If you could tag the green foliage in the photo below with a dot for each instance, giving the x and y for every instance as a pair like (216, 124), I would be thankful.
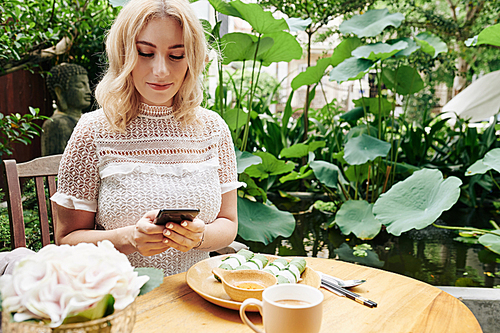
(356, 216)
(417, 201)
(31, 28)
(155, 278)
(371, 23)
(102, 309)
(19, 128)
(260, 222)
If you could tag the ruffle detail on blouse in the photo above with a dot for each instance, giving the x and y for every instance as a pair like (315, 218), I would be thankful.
(71, 202)
(180, 169)
(224, 188)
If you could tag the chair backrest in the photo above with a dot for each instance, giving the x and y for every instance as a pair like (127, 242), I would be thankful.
(38, 168)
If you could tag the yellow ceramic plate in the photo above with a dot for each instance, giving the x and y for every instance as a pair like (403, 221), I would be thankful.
(200, 278)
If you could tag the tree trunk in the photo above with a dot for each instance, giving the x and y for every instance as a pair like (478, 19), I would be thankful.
(460, 80)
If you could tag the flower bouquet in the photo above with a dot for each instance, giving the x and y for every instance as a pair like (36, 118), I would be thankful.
(63, 285)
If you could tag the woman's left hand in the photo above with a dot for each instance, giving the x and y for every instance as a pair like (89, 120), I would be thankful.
(184, 236)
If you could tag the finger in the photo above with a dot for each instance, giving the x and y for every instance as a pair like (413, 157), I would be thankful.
(182, 242)
(146, 227)
(148, 248)
(186, 227)
(178, 246)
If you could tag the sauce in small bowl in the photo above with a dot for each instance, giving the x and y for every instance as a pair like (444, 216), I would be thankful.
(245, 283)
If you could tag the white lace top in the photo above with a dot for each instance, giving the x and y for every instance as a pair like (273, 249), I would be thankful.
(155, 164)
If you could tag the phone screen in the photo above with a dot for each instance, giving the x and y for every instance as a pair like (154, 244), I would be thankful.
(176, 215)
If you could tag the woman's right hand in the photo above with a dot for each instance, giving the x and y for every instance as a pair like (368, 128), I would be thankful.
(147, 238)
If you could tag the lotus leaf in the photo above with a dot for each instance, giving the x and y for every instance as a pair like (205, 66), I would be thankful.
(407, 81)
(417, 201)
(326, 173)
(353, 114)
(372, 105)
(252, 189)
(297, 24)
(477, 168)
(270, 166)
(232, 116)
(344, 50)
(224, 8)
(312, 74)
(431, 44)
(379, 51)
(364, 148)
(362, 129)
(285, 48)
(371, 23)
(301, 149)
(350, 69)
(490, 35)
(491, 242)
(261, 21)
(345, 253)
(412, 46)
(155, 278)
(294, 175)
(245, 159)
(492, 159)
(262, 223)
(356, 216)
(471, 41)
(240, 47)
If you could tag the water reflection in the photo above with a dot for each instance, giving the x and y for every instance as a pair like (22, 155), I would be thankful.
(430, 255)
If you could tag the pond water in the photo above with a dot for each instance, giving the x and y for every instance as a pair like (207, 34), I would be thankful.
(430, 255)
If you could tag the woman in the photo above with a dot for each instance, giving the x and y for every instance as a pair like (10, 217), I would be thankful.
(151, 146)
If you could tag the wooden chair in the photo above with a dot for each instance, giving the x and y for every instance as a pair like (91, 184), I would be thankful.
(38, 168)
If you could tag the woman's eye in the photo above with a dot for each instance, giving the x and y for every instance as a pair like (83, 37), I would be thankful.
(147, 55)
(177, 57)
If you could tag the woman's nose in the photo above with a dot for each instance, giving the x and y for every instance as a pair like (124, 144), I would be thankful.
(160, 68)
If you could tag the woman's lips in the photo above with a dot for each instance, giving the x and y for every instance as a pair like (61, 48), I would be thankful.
(159, 86)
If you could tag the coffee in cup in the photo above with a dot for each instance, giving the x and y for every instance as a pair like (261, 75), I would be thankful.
(291, 308)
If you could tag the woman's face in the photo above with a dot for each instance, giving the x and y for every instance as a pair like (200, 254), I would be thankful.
(161, 65)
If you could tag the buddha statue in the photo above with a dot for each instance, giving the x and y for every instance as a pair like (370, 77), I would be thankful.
(69, 87)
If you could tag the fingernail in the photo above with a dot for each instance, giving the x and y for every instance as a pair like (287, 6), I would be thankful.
(167, 233)
(184, 224)
(165, 241)
(170, 226)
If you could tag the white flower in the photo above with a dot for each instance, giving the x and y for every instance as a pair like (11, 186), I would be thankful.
(59, 281)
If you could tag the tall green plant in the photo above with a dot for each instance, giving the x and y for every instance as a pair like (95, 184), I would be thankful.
(268, 43)
(316, 14)
(369, 156)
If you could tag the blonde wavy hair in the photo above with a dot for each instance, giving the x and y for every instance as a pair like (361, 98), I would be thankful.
(116, 92)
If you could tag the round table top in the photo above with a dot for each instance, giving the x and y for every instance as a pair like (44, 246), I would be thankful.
(404, 305)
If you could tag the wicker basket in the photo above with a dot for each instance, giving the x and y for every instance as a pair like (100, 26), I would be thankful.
(119, 322)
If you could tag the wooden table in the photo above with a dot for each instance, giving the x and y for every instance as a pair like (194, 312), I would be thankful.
(404, 305)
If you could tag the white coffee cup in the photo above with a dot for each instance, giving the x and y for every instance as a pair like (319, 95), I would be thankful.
(291, 308)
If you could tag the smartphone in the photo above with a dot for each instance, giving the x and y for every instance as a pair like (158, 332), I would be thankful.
(176, 215)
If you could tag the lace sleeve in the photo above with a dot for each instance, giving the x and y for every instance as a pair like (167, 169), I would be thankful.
(78, 178)
(228, 174)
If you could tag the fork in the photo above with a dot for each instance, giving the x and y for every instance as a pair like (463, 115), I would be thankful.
(340, 282)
